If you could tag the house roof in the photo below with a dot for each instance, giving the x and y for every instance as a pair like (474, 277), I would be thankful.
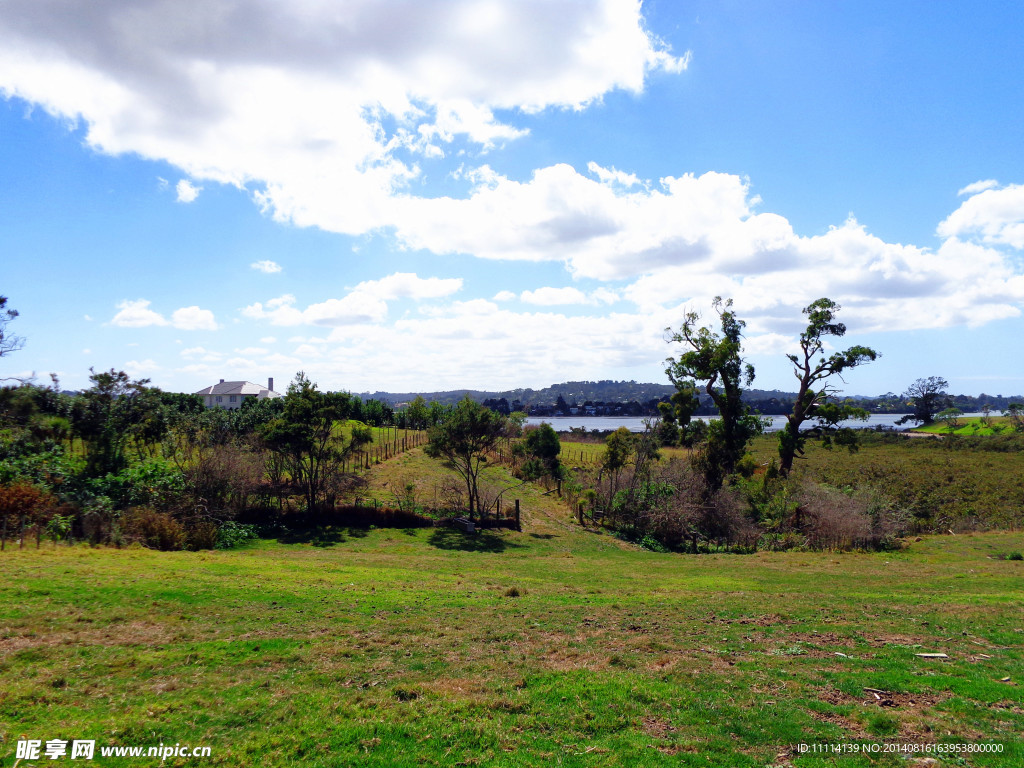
(238, 388)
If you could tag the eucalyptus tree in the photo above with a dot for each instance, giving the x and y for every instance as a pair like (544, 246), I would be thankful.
(714, 357)
(815, 397)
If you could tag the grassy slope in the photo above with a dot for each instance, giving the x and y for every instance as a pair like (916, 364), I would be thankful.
(397, 648)
(974, 425)
(940, 487)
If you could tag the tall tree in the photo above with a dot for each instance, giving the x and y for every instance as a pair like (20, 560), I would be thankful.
(8, 342)
(112, 410)
(1015, 413)
(928, 397)
(307, 437)
(462, 440)
(542, 448)
(813, 370)
(715, 358)
(417, 413)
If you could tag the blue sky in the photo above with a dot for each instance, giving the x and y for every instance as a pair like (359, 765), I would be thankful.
(493, 194)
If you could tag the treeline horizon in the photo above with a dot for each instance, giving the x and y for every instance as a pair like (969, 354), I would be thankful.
(638, 399)
(579, 394)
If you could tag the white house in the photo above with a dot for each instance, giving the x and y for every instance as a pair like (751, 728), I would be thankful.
(231, 394)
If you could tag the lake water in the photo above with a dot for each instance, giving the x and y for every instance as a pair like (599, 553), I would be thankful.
(636, 423)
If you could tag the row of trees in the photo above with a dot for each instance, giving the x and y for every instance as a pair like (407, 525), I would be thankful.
(712, 495)
(712, 359)
(123, 445)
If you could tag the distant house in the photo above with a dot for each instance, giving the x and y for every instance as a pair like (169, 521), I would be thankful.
(231, 394)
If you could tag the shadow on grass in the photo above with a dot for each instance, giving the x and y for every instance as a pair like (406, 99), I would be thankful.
(481, 541)
(544, 536)
(321, 536)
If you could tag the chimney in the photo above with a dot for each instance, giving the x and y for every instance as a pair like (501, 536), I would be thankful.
(222, 381)
(270, 383)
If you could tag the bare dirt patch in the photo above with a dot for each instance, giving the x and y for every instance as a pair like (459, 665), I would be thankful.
(880, 698)
(132, 633)
(880, 640)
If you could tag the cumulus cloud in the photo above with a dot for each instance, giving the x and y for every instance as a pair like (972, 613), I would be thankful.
(976, 187)
(137, 314)
(266, 266)
(193, 319)
(201, 353)
(408, 285)
(992, 215)
(366, 303)
(690, 238)
(187, 191)
(556, 296)
(324, 110)
(453, 341)
(355, 308)
(139, 368)
(612, 176)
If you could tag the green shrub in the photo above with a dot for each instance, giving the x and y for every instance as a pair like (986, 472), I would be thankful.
(202, 535)
(231, 534)
(156, 530)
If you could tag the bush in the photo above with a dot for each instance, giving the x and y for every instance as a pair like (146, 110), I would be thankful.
(202, 535)
(832, 519)
(156, 530)
(231, 534)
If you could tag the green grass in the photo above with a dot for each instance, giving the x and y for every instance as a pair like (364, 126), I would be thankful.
(971, 426)
(554, 646)
(944, 484)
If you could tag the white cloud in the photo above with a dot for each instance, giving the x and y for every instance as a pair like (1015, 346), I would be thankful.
(612, 176)
(324, 110)
(355, 308)
(554, 296)
(408, 285)
(279, 311)
(504, 296)
(993, 216)
(976, 187)
(268, 340)
(138, 368)
(193, 319)
(201, 353)
(137, 314)
(307, 351)
(453, 341)
(187, 191)
(266, 266)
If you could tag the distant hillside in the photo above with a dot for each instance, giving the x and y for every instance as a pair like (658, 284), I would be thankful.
(570, 391)
(580, 393)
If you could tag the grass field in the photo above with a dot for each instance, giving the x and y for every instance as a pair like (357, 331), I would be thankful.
(941, 484)
(970, 426)
(553, 646)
